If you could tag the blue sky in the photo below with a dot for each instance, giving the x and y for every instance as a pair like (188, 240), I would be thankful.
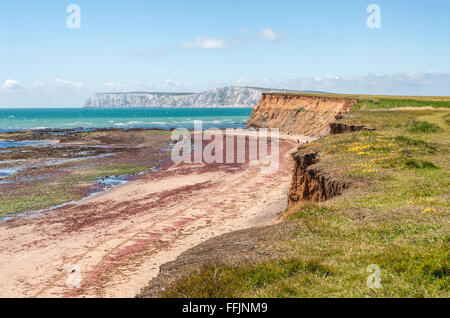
(197, 45)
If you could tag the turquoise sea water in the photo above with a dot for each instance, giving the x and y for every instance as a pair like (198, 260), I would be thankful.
(165, 118)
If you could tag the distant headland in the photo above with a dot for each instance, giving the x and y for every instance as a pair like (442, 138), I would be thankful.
(232, 96)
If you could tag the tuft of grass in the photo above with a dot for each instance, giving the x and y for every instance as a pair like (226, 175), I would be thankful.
(420, 164)
(406, 141)
(447, 119)
(424, 127)
(308, 209)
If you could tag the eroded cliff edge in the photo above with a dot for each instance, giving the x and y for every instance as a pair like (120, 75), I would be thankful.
(311, 181)
(297, 114)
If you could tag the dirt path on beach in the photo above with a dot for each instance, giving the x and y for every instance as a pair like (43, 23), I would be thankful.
(119, 239)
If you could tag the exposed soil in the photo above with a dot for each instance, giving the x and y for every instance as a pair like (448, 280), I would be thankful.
(311, 182)
(298, 114)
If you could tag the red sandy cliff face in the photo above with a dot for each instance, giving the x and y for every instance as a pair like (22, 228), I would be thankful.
(298, 114)
(313, 116)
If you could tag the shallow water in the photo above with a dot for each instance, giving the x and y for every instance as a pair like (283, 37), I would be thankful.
(25, 143)
(11, 161)
(6, 172)
(113, 180)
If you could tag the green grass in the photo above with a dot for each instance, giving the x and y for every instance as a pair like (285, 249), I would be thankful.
(390, 99)
(424, 127)
(32, 202)
(389, 103)
(309, 208)
(226, 281)
(420, 164)
(397, 216)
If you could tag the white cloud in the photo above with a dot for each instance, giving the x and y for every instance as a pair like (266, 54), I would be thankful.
(11, 84)
(428, 83)
(130, 86)
(413, 83)
(56, 85)
(270, 35)
(49, 93)
(66, 83)
(204, 42)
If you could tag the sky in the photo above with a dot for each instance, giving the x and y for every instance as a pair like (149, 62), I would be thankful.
(196, 45)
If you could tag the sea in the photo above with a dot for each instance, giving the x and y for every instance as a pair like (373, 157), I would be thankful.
(16, 119)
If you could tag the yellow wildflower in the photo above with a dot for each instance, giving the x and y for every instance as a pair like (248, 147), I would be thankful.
(429, 210)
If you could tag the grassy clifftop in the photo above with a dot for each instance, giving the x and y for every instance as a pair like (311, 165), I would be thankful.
(404, 100)
(396, 216)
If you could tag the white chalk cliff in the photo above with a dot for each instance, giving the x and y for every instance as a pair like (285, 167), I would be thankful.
(221, 97)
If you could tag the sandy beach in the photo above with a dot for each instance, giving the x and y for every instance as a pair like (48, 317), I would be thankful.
(120, 238)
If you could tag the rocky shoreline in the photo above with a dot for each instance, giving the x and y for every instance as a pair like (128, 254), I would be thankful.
(68, 165)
